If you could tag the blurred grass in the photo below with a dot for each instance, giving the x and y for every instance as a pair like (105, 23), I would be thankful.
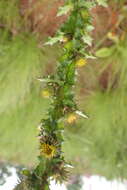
(20, 61)
(19, 130)
(9, 14)
(97, 145)
(21, 104)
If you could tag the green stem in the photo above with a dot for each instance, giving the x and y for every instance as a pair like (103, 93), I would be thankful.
(50, 135)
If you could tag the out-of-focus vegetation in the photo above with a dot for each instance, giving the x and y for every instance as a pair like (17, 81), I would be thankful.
(97, 145)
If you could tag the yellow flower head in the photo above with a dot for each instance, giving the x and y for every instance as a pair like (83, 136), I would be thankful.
(64, 39)
(112, 36)
(81, 62)
(47, 150)
(71, 118)
(45, 93)
(123, 35)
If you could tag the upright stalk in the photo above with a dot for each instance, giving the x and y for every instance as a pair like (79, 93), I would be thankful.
(75, 40)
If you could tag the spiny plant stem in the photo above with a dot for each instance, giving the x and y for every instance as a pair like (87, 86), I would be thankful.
(75, 39)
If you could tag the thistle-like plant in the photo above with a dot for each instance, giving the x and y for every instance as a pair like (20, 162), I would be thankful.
(74, 37)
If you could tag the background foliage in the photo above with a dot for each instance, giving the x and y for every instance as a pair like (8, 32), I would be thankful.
(97, 145)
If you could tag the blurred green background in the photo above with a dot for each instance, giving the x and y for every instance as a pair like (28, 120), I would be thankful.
(97, 145)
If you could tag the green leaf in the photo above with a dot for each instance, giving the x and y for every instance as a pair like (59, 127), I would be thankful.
(90, 56)
(51, 41)
(86, 4)
(46, 187)
(102, 3)
(104, 52)
(25, 172)
(70, 74)
(89, 28)
(87, 39)
(64, 10)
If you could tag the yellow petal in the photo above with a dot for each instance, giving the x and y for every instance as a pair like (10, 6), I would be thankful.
(45, 93)
(48, 150)
(71, 118)
(65, 39)
(81, 62)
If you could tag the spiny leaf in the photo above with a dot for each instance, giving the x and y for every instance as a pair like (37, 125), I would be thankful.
(64, 10)
(102, 2)
(104, 52)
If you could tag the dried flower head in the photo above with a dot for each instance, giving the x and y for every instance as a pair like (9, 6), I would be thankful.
(61, 173)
